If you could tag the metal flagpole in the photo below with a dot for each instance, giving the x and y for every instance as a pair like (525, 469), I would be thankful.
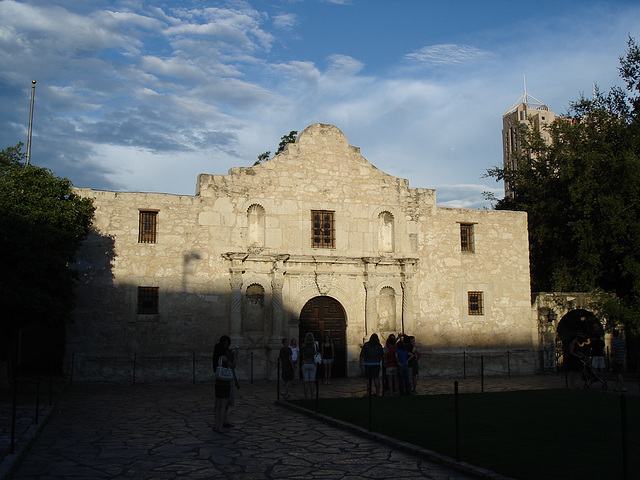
(33, 93)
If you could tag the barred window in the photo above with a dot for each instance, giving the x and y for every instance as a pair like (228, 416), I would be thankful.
(148, 300)
(322, 229)
(476, 303)
(466, 237)
(147, 226)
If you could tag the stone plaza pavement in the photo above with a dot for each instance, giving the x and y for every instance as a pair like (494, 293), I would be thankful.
(164, 431)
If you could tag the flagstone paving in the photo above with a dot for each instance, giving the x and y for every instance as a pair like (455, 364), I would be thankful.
(164, 431)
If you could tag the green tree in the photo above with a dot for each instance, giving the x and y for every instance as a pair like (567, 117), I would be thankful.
(581, 191)
(42, 223)
(284, 141)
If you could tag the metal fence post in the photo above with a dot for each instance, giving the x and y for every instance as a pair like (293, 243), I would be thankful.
(251, 367)
(194, 367)
(464, 364)
(623, 422)
(317, 391)
(37, 420)
(457, 419)
(14, 412)
(370, 394)
(277, 381)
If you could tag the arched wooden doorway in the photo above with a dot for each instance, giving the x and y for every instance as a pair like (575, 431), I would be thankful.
(325, 315)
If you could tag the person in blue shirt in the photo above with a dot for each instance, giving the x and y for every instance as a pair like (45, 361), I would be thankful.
(403, 356)
(371, 356)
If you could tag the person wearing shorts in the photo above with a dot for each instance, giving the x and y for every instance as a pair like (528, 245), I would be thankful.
(370, 357)
(308, 352)
(597, 361)
(391, 370)
(222, 388)
(617, 358)
(286, 364)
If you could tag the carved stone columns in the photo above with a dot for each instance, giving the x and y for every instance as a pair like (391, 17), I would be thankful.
(408, 320)
(370, 314)
(277, 284)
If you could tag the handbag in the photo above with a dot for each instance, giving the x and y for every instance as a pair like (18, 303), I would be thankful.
(317, 358)
(223, 373)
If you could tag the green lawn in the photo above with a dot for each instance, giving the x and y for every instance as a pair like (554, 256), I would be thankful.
(559, 434)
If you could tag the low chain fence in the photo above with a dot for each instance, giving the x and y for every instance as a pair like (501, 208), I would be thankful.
(261, 364)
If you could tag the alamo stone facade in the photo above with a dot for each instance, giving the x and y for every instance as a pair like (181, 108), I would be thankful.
(316, 239)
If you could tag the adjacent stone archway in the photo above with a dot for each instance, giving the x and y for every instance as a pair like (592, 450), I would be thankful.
(578, 322)
(325, 315)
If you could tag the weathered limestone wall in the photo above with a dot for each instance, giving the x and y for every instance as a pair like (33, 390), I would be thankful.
(397, 265)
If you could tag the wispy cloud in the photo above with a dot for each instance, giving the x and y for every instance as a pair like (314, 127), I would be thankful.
(344, 64)
(285, 20)
(447, 54)
(139, 97)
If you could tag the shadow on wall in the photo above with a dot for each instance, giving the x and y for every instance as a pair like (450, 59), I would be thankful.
(34, 335)
(163, 321)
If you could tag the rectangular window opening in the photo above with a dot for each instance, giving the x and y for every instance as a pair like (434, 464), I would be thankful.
(476, 303)
(322, 229)
(148, 300)
(147, 226)
(466, 237)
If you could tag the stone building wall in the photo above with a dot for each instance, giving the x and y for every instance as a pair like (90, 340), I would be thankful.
(238, 258)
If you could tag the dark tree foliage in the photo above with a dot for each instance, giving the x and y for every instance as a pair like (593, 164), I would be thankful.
(582, 195)
(42, 223)
(284, 141)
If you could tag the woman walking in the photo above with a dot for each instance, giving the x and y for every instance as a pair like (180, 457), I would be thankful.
(221, 357)
(391, 370)
(308, 352)
(295, 355)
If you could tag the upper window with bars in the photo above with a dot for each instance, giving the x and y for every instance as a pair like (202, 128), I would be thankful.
(323, 229)
(466, 237)
(147, 226)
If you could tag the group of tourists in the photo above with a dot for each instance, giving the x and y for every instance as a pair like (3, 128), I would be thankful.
(305, 360)
(397, 361)
(393, 368)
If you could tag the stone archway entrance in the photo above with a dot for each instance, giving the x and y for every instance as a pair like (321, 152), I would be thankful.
(574, 323)
(325, 315)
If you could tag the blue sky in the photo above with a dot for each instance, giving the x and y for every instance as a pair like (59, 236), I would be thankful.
(144, 96)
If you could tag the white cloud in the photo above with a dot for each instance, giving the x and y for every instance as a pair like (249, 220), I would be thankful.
(344, 64)
(447, 54)
(133, 88)
(285, 20)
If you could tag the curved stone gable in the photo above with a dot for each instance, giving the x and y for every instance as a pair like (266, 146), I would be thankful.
(322, 136)
(321, 161)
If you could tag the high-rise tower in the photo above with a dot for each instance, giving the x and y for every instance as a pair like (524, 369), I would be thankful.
(528, 111)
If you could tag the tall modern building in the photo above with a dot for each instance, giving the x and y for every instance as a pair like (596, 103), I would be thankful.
(527, 111)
